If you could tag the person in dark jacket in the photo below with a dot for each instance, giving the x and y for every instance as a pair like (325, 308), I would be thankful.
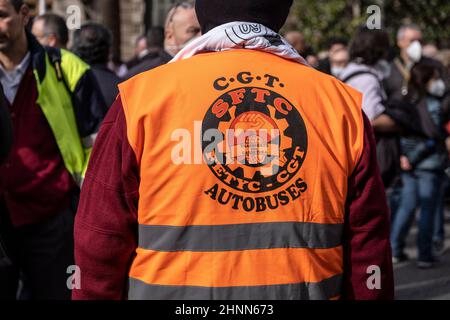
(163, 44)
(409, 38)
(423, 161)
(92, 43)
(140, 50)
(156, 55)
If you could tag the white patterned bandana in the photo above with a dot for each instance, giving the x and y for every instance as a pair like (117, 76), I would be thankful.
(241, 35)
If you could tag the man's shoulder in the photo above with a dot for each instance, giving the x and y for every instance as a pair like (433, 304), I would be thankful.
(71, 58)
(103, 73)
(150, 71)
(331, 83)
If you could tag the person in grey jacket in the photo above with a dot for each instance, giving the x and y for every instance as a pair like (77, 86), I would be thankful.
(366, 72)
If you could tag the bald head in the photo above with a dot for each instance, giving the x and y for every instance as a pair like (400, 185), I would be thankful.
(181, 27)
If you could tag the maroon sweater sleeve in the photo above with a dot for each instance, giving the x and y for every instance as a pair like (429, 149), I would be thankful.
(106, 221)
(367, 229)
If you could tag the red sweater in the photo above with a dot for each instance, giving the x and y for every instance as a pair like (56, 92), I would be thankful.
(106, 223)
(34, 182)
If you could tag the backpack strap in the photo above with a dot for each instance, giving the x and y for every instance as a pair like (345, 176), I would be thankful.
(359, 73)
(363, 72)
(55, 57)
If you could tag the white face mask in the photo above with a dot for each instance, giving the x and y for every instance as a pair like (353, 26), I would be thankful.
(437, 88)
(178, 47)
(414, 51)
(336, 71)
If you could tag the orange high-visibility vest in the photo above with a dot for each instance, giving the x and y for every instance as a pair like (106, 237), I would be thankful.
(244, 162)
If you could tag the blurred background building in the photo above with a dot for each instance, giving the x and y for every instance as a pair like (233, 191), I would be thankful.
(319, 20)
(127, 19)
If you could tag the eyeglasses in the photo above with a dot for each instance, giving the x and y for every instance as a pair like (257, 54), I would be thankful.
(173, 10)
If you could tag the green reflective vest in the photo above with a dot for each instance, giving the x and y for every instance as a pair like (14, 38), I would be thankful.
(55, 89)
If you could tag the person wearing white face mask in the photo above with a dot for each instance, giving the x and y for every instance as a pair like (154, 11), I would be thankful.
(339, 59)
(409, 39)
(437, 88)
(423, 161)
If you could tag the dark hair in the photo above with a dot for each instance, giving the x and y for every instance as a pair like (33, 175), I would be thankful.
(155, 37)
(55, 24)
(141, 37)
(92, 43)
(369, 46)
(333, 41)
(17, 4)
(421, 74)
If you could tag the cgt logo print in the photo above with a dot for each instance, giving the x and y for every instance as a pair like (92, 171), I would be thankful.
(261, 146)
(264, 140)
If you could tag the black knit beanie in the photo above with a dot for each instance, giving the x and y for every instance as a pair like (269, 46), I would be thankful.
(270, 13)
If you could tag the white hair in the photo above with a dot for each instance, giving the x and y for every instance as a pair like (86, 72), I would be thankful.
(403, 28)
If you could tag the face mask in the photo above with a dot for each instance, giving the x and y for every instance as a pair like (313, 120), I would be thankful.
(437, 88)
(414, 51)
(384, 67)
(178, 47)
(336, 71)
(143, 53)
(175, 48)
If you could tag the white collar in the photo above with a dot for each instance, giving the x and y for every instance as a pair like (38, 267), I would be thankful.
(20, 68)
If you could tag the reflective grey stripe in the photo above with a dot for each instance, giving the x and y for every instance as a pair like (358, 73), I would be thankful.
(325, 290)
(240, 237)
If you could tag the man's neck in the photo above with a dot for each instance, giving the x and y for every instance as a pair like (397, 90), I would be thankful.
(11, 58)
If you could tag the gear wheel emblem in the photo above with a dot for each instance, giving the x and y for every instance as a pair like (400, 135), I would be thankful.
(257, 140)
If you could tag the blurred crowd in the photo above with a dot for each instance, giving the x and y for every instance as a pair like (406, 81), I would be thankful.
(405, 88)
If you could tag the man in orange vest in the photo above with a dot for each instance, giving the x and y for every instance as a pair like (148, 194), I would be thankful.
(235, 172)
